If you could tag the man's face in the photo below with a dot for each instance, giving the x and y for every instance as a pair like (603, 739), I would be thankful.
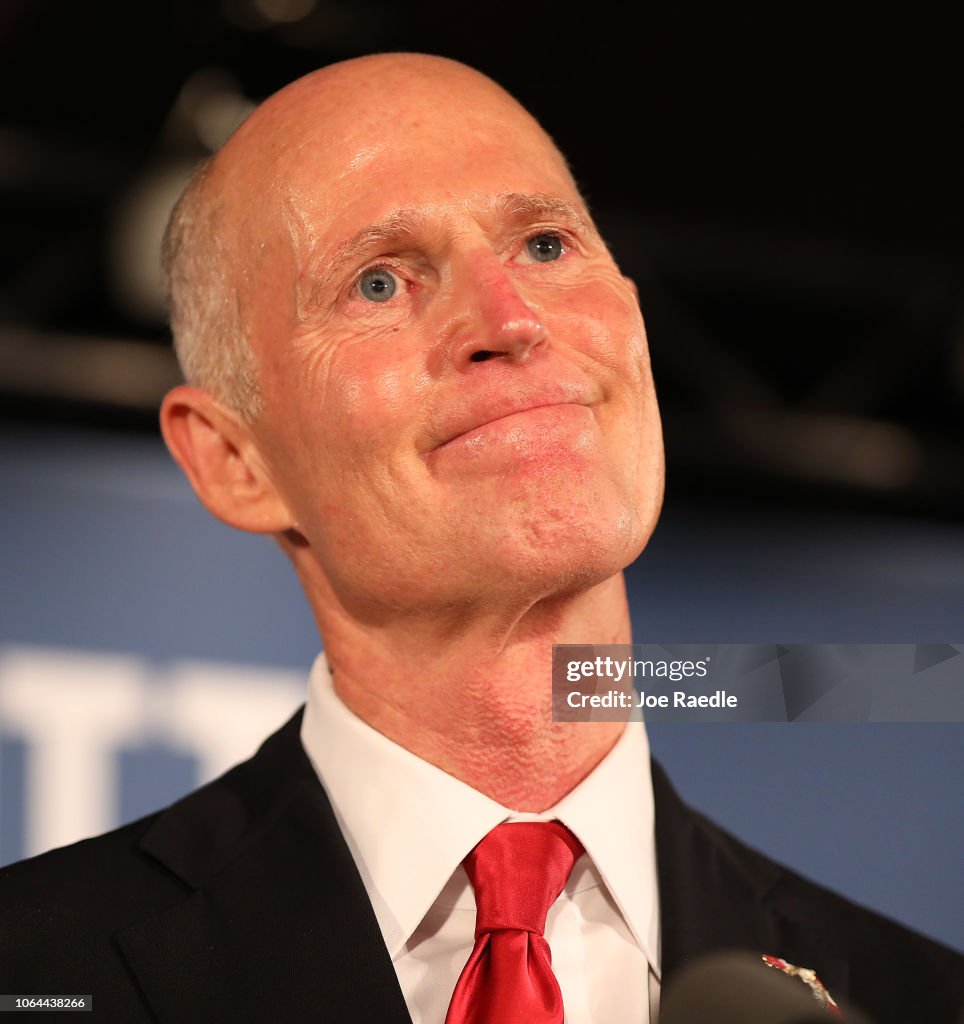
(457, 392)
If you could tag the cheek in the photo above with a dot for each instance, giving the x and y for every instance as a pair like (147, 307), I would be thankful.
(372, 397)
(346, 386)
(361, 400)
(359, 412)
(602, 320)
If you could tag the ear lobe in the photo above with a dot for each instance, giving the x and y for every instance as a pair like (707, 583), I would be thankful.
(215, 450)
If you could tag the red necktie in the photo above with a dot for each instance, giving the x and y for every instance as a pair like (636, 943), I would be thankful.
(517, 871)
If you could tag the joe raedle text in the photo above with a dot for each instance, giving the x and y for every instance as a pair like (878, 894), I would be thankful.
(678, 699)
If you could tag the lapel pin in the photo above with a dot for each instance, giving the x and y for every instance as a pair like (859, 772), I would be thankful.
(808, 977)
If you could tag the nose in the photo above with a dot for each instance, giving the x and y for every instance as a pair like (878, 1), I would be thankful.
(492, 320)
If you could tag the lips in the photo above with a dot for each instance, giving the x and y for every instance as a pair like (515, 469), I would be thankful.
(482, 411)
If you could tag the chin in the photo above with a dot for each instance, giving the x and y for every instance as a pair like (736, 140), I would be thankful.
(558, 554)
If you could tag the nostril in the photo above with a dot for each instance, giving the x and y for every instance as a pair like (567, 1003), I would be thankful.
(480, 357)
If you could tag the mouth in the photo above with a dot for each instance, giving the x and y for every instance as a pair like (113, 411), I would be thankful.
(502, 407)
(506, 419)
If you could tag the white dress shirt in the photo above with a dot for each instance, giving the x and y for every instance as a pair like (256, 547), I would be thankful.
(409, 825)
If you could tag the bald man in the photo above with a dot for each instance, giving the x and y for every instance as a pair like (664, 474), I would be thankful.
(412, 361)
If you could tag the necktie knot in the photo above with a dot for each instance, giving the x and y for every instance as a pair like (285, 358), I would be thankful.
(518, 871)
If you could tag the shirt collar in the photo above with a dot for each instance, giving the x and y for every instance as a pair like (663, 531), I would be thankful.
(611, 811)
(409, 825)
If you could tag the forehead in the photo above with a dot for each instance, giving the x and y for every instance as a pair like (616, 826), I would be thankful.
(497, 208)
(345, 174)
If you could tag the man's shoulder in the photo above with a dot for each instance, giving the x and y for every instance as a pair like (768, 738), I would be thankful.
(88, 888)
(718, 891)
(161, 851)
(97, 863)
(806, 900)
(65, 907)
(59, 911)
(889, 964)
(171, 917)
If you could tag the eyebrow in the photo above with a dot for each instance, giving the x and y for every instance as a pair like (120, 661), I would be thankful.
(409, 222)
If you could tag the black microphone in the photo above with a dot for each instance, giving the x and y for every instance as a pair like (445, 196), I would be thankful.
(738, 988)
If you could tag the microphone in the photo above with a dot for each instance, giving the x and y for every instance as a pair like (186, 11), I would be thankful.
(738, 988)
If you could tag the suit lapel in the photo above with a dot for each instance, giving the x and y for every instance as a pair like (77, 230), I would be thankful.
(277, 924)
(717, 894)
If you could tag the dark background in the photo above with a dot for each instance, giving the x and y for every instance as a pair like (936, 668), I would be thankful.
(783, 183)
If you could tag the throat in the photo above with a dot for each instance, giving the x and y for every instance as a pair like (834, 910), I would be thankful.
(499, 740)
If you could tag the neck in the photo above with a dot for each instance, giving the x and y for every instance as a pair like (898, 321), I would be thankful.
(475, 699)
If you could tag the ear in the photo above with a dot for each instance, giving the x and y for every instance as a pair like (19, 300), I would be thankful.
(214, 447)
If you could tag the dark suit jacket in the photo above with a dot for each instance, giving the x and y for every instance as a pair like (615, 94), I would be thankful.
(241, 902)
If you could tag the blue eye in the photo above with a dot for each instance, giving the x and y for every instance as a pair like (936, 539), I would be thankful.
(377, 285)
(545, 248)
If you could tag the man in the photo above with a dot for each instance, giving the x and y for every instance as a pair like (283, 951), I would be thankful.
(413, 362)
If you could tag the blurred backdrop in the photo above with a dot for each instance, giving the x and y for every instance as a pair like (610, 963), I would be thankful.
(785, 190)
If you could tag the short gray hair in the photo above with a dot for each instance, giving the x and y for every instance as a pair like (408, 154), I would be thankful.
(210, 339)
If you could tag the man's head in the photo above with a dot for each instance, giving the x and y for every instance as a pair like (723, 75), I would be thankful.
(445, 394)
